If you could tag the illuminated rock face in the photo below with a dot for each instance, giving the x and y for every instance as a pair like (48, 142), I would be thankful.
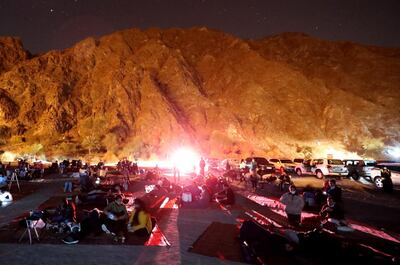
(147, 92)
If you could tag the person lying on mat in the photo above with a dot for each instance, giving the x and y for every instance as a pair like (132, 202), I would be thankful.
(140, 220)
(117, 215)
(226, 196)
(91, 224)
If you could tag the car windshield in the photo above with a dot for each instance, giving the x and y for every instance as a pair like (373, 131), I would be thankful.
(335, 162)
(286, 161)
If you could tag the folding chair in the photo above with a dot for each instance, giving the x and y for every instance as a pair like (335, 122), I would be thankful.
(31, 223)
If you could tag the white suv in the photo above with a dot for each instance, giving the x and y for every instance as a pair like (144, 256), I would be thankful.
(322, 167)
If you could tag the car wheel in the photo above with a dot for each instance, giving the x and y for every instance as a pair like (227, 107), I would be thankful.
(319, 174)
(378, 182)
(298, 172)
(355, 176)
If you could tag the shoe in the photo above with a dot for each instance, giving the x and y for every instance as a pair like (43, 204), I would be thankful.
(69, 240)
(105, 229)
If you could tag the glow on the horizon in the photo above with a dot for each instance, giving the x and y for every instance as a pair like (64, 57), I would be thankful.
(186, 160)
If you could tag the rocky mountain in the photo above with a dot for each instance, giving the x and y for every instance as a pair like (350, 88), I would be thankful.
(149, 92)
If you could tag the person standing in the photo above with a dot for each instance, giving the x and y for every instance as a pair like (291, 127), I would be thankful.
(2, 170)
(334, 191)
(242, 168)
(254, 179)
(177, 173)
(202, 166)
(253, 166)
(294, 204)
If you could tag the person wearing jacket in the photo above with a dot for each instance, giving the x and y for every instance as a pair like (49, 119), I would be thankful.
(294, 204)
(140, 220)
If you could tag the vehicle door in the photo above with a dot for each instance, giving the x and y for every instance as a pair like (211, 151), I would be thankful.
(307, 165)
(315, 164)
(395, 173)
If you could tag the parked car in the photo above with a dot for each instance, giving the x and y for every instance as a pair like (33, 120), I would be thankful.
(263, 165)
(298, 160)
(322, 167)
(286, 164)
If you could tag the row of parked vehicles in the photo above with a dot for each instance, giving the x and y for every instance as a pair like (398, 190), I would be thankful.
(369, 170)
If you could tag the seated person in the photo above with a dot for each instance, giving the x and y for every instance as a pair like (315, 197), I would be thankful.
(164, 182)
(90, 224)
(117, 216)
(226, 196)
(212, 183)
(140, 220)
(66, 212)
(203, 201)
(194, 190)
(332, 211)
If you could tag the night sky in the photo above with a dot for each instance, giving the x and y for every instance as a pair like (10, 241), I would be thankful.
(45, 25)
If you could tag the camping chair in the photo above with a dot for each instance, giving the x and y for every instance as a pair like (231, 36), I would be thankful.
(31, 222)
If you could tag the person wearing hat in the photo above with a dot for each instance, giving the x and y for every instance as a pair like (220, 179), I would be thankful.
(294, 204)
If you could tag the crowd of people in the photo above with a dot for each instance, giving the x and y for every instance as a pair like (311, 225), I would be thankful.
(198, 193)
(113, 220)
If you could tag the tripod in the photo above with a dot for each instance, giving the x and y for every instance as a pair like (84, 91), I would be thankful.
(14, 178)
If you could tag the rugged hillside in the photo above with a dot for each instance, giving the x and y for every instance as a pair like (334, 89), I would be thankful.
(148, 92)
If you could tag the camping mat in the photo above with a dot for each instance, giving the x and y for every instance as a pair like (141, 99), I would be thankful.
(219, 240)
